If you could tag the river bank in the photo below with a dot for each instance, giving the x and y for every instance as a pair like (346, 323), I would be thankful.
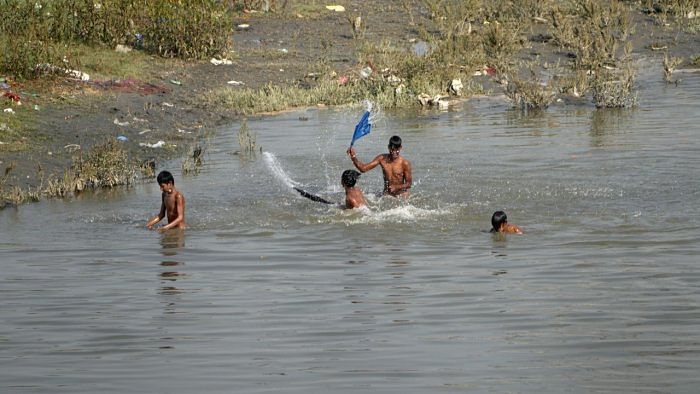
(164, 108)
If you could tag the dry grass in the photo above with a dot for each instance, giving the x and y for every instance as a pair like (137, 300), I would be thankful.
(246, 140)
(614, 89)
(532, 94)
(194, 160)
(105, 165)
(670, 64)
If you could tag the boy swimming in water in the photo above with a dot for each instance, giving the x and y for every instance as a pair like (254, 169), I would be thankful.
(499, 222)
(172, 204)
(353, 196)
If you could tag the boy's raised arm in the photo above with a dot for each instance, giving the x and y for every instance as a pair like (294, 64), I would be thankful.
(360, 165)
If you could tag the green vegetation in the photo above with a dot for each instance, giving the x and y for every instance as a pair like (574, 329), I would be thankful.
(14, 129)
(34, 35)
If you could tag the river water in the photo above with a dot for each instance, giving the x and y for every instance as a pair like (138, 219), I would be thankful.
(270, 292)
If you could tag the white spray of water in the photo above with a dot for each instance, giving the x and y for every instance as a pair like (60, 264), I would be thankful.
(375, 112)
(276, 168)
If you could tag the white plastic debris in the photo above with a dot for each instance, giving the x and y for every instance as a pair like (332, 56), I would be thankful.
(158, 144)
(456, 87)
(78, 75)
(122, 124)
(122, 48)
(393, 79)
(366, 72)
(336, 8)
(218, 62)
(9, 111)
(236, 83)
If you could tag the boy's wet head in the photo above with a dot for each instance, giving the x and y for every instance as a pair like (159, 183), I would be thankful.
(395, 142)
(165, 177)
(349, 178)
(499, 218)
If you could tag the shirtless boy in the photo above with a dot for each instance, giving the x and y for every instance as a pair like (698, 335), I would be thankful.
(173, 204)
(499, 222)
(353, 196)
(396, 169)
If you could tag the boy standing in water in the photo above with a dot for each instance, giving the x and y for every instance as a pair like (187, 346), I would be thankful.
(172, 204)
(396, 169)
(499, 222)
(353, 196)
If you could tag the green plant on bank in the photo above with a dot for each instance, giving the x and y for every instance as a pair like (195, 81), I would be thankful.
(14, 130)
(596, 32)
(35, 32)
(593, 30)
(500, 44)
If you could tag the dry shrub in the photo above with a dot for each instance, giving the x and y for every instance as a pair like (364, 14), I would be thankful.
(531, 94)
(105, 165)
(670, 64)
(246, 141)
(614, 89)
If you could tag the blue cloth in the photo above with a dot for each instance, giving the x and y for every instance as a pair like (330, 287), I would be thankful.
(362, 128)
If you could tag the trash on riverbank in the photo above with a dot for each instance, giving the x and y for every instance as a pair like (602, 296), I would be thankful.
(456, 87)
(9, 111)
(123, 48)
(336, 8)
(13, 96)
(122, 124)
(175, 82)
(433, 101)
(158, 144)
(122, 138)
(366, 72)
(218, 62)
(75, 74)
(236, 83)
(78, 75)
(242, 26)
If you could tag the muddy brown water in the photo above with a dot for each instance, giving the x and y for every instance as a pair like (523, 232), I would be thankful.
(269, 292)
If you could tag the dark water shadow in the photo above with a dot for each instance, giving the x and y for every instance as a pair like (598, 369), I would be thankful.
(607, 123)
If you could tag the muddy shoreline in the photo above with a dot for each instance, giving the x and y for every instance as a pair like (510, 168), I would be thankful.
(272, 49)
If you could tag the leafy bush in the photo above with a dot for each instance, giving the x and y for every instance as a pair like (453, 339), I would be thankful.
(31, 31)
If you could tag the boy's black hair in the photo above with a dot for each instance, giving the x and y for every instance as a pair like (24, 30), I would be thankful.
(498, 218)
(395, 142)
(165, 177)
(349, 178)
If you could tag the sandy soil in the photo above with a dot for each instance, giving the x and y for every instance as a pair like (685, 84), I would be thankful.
(273, 49)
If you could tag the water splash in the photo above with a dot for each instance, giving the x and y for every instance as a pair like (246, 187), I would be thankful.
(276, 168)
(375, 111)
